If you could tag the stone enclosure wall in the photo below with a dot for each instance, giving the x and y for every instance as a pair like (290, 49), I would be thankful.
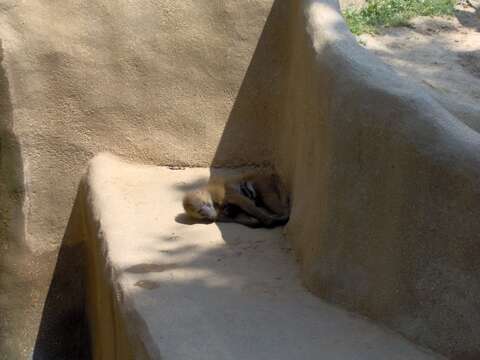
(383, 179)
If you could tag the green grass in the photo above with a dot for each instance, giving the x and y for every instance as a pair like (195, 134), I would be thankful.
(378, 13)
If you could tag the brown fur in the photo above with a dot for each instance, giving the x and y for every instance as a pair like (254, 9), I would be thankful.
(222, 200)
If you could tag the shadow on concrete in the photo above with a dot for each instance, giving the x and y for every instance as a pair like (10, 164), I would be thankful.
(11, 165)
(247, 134)
(15, 282)
(24, 276)
(470, 19)
(63, 332)
(240, 286)
(470, 60)
(449, 75)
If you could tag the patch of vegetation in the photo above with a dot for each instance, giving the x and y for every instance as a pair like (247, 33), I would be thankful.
(377, 13)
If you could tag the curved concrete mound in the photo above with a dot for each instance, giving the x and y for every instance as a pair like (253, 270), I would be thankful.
(384, 180)
(160, 287)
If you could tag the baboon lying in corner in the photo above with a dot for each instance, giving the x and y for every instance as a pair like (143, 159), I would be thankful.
(254, 199)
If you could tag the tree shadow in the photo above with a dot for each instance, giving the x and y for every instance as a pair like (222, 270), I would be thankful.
(62, 332)
(235, 288)
(11, 165)
(435, 63)
(470, 19)
(470, 60)
(15, 324)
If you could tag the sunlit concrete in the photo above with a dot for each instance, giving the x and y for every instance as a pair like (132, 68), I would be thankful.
(179, 290)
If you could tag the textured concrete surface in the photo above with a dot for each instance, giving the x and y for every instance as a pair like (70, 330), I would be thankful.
(386, 189)
(384, 179)
(196, 291)
(151, 80)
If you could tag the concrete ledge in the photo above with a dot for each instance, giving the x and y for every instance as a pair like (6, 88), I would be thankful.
(159, 287)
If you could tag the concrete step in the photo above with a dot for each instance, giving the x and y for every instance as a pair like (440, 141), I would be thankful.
(161, 287)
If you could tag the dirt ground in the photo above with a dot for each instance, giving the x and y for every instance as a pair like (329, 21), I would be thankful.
(443, 53)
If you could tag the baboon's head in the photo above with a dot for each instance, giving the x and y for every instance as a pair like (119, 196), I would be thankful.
(198, 204)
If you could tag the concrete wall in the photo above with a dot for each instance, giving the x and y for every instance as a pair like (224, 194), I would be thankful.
(384, 180)
(386, 189)
(150, 81)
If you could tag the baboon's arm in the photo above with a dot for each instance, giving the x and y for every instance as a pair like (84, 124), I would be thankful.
(249, 207)
(241, 218)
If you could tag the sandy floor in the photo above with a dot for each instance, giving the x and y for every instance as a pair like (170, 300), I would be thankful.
(442, 53)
